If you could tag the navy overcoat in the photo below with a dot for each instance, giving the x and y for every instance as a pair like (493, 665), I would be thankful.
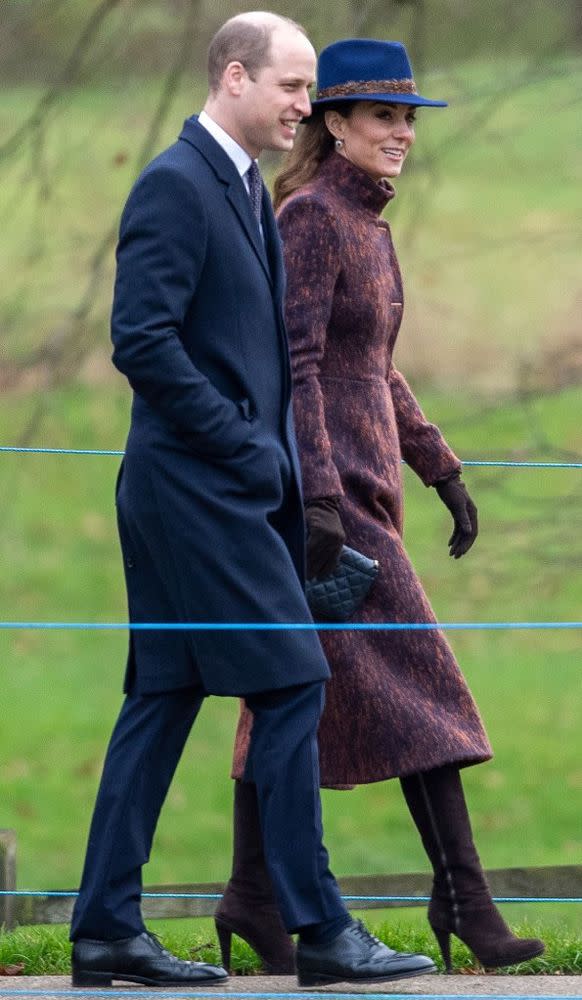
(209, 497)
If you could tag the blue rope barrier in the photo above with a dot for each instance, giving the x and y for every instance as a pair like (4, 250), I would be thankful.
(297, 995)
(60, 451)
(527, 465)
(471, 462)
(58, 893)
(288, 626)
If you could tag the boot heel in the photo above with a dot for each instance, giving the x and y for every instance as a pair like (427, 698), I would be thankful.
(444, 943)
(224, 934)
(82, 977)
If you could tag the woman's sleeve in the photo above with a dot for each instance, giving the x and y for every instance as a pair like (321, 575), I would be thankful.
(423, 447)
(312, 262)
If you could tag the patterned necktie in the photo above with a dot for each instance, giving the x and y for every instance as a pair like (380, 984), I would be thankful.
(255, 189)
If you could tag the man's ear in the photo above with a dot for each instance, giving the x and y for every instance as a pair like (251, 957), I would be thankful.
(234, 78)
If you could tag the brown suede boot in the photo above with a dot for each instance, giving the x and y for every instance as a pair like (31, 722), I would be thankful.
(461, 900)
(248, 907)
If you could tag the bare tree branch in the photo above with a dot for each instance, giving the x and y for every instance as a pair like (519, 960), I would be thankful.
(14, 28)
(362, 13)
(529, 76)
(66, 348)
(68, 75)
(418, 39)
(506, 92)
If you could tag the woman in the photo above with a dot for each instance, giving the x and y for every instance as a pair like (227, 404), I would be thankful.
(397, 704)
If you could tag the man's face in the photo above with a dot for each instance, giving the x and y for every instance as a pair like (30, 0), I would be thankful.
(271, 106)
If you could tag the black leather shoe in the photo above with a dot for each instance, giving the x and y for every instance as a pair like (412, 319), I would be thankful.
(140, 959)
(355, 955)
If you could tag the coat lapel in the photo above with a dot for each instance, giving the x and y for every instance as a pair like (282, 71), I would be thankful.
(274, 248)
(228, 175)
(241, 204)
(275, 255)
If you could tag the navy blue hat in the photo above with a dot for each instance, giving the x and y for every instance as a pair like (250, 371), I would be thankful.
(364, 69)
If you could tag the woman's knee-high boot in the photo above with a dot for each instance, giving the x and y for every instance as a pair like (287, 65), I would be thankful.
(248, 907)
(461, 901)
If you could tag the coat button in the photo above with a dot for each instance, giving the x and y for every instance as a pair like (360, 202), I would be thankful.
(129, 562)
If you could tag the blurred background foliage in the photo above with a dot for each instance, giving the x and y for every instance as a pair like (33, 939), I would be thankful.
(488, 226)
(140, 37)
(488, 218)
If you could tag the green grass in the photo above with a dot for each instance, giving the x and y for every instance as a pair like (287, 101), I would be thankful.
(61, 690)
(488, 228)
(46, 950)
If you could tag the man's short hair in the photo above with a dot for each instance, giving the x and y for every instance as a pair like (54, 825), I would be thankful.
(245, 42)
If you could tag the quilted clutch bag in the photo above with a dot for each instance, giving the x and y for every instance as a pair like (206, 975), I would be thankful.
(337, 596)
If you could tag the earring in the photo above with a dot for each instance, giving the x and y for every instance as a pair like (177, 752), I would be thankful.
(338, 144)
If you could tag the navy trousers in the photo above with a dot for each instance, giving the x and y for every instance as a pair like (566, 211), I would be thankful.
(143, 754)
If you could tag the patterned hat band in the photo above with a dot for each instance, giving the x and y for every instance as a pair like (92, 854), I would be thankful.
(355, 88)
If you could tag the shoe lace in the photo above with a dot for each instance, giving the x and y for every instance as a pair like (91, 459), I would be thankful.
(366, 935)
(164, 951)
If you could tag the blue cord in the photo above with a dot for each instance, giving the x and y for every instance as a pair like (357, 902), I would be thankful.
(289, 626)
(297, 995)
(99, 451)
(352, 899)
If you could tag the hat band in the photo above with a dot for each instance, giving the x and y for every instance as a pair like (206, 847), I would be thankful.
(355, 87)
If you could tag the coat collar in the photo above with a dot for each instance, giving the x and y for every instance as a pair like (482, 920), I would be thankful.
(354, 184)
(239, 156)
(226, 172)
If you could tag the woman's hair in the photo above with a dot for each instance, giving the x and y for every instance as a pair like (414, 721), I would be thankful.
(312, 146)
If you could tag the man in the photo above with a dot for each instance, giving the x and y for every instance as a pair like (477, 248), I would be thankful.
(210, 521)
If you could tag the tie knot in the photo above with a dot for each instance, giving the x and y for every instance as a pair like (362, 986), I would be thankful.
(255, 189)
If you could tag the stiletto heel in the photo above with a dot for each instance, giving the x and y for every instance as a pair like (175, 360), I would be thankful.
(444, 943)
(461, 902)
(261, 928)
(248, 907)
(483, 930)
(224, 934)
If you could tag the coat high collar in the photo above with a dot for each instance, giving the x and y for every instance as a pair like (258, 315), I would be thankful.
(354, 184)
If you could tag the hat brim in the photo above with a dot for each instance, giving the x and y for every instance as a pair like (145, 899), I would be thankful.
(413, 99)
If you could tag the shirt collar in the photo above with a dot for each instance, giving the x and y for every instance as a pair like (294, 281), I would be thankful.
(237, 154)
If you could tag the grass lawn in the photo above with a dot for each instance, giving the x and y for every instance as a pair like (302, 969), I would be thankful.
(62, 689)
(46, 950)
(488, 223)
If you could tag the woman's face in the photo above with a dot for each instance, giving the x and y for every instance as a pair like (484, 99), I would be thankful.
(376, 136)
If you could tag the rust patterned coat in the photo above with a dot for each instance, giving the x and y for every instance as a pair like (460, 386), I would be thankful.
(397, 702)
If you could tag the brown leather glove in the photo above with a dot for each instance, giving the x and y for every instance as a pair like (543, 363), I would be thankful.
(325, 535)
(454, 495)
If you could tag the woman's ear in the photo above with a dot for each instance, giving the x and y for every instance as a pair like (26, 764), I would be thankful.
(334, 122)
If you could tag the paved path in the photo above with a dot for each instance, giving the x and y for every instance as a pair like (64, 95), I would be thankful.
(439, 987)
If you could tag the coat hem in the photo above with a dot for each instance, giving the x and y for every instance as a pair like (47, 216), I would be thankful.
(350, 783)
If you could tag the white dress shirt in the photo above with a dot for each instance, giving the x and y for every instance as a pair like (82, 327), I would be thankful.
(237, 154)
